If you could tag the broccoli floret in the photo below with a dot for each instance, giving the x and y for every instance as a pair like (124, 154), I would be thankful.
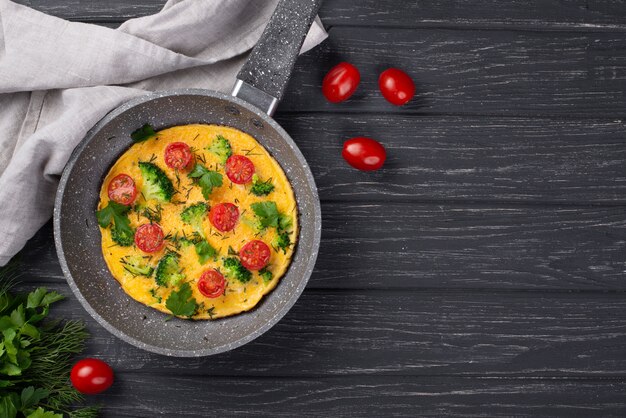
(168, 272)
(136, 265)
(221, 147)
(124, 237)
(194, 215)
(265, 274)
(261, 188)
(282, 241)
(234, 270)
(156, 185)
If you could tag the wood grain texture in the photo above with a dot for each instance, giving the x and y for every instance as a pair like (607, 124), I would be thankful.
(538, 14)
(140, 395)
(480, 274)
(472, 72)
(403, 332)
(467, 158)
(393, 246)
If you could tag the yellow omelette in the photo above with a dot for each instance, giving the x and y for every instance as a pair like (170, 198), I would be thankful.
(167, 278)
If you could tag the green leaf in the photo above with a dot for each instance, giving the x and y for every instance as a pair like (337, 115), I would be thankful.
(7, 408)
(110, 212)
(267, 212)
(143, 133)
(30, 330)
(41, 413)
(51, 297)
(205, 251)
(206, 179)
(122, 232)
(181, 302)
(18, 317)
(35, 297)
(31, 397)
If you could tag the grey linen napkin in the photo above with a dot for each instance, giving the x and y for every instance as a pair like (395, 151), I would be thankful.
(58, 78)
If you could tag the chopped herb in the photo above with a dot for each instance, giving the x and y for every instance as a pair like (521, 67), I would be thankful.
(121, 232)
(206, 179)
(143, 133)
(181, 302)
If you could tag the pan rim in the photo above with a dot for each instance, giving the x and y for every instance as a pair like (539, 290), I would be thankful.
(307, 267)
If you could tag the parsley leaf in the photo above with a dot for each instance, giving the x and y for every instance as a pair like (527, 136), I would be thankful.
(205, 251)
(206, 179)
(143, 133)
(181, 302)
(121, 232)
(267, 213)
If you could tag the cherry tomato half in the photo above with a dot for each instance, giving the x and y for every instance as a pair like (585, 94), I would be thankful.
(211, 284)
(396, 86)
(149, 238)
(177, 155)
(224, 216)
(91, 376)
(122, 189)
(239, 169)
(254, 255)
(364, 153)
(340, 82)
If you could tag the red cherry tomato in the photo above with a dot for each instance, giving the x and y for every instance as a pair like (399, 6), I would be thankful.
(224, 216)
(178, 155)
(340, 82)
(254, 255)
(239, 169)
(122, 189)
(211, 284)
(91, 376)
(364, 153)
(149, 238)
(396, 86)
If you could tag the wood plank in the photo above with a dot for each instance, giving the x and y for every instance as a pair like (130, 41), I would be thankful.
(467, 158)
(387, 246)
(579, 14)
(136, 395)
(357, 332)
(472, 72)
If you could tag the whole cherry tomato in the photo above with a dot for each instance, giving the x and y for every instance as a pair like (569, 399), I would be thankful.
(364, 153)
(340, 82)
(91, 376)
(396, 86)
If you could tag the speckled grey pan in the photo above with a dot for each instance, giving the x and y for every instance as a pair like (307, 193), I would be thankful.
(77, 236)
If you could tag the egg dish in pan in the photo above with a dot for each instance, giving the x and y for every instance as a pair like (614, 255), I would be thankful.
(197, 221)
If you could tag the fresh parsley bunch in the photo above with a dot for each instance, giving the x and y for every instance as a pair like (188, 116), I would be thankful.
(35, 356)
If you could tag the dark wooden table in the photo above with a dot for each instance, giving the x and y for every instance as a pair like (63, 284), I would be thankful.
(481, 273)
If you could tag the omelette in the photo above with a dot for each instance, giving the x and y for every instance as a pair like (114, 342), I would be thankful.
(197, 221)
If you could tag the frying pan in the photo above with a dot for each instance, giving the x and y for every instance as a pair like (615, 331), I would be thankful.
(260, 85)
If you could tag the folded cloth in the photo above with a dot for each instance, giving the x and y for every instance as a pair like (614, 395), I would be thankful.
(58, 78)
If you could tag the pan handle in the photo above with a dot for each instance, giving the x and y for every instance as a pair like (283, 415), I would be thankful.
(263, 78)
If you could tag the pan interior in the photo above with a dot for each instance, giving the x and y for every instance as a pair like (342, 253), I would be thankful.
(78, 238)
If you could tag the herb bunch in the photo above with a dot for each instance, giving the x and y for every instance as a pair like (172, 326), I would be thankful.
(36, 354)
